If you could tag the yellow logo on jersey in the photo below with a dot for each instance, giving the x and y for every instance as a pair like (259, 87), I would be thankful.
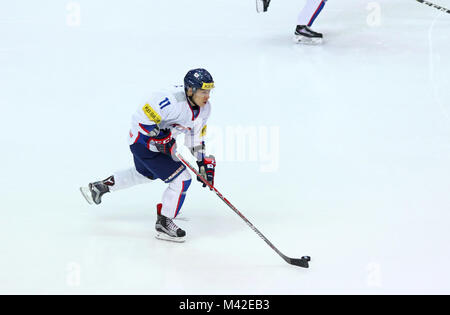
(208, 86)
(203, 132)
(151, 114)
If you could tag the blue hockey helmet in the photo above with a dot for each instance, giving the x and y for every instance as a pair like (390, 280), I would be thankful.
(198, 79)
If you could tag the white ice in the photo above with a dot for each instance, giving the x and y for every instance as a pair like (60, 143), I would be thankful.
(358, 175)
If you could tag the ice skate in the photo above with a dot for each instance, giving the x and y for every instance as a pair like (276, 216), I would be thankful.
(168, 231)
(304, 35)
(94, 192)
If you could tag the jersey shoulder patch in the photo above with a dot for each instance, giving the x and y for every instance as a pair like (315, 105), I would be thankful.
(152, 114)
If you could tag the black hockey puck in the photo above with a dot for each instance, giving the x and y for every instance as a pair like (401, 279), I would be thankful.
(307, 258)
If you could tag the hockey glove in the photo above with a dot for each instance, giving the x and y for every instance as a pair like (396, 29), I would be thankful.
(206, 168)
(164, 143)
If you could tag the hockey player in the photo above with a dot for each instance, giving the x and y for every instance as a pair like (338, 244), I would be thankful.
(154, 127)
(303, 33)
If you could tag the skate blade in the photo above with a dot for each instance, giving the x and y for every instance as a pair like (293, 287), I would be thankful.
(165, 237)
(87, 194)
(307, 41)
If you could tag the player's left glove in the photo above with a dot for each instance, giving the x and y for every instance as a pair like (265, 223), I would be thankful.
(206, 168)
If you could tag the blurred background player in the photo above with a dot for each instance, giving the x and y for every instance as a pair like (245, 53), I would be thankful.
(303, 32)
(155, 125)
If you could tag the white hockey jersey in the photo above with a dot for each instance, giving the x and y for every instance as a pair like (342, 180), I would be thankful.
(169, 109)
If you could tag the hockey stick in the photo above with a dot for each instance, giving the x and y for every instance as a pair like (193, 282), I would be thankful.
(301, 262)
(262, 5)
(434, 6)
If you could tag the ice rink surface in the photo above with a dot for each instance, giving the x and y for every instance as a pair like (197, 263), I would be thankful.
(344, 152)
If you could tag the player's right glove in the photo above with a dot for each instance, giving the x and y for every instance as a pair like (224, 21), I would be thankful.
(206, 168)
(164, 142)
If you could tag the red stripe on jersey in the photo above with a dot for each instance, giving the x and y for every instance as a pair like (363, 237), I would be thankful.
(137, 138)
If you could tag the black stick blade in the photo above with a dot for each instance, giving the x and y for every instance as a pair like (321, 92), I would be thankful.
(302, 262)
